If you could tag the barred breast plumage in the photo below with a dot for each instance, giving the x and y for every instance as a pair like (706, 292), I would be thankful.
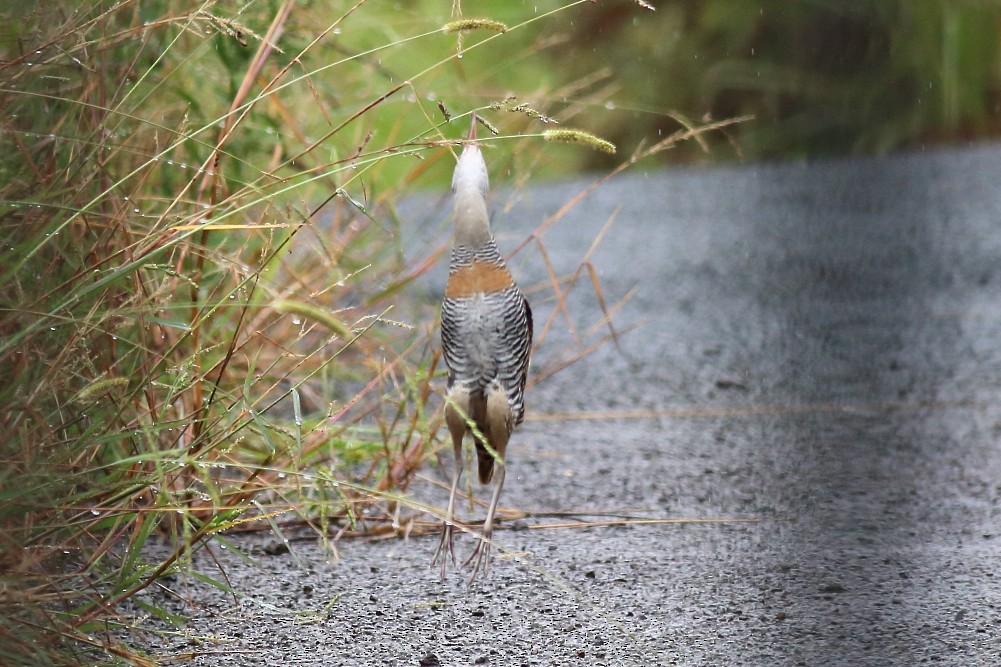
(486, 326)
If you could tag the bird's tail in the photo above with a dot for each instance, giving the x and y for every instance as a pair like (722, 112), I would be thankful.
(496, 426)
(485, 462)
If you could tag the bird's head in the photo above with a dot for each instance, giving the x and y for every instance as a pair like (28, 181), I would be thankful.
(471, 171)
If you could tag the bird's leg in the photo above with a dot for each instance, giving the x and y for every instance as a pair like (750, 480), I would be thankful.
(498, 422)
(455, 419)
(445, 549)
(480, 558)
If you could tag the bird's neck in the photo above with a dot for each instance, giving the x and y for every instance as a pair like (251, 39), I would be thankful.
(472, 224)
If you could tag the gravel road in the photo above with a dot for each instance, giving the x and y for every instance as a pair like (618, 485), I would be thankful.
(819, 357)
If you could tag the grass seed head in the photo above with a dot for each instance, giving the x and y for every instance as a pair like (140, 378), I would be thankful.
(468, 25)
(572, 136)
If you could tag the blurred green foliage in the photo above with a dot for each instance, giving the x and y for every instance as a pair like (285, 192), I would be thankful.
(820, 76)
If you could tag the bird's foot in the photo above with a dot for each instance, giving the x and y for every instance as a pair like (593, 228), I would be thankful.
(480, 558)
(446, 548)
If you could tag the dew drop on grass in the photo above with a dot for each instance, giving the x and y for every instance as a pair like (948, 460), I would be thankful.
(95, 513)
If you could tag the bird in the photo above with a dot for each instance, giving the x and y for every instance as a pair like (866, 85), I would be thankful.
(486, 338)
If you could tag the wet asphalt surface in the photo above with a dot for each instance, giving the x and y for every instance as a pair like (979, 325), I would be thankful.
(820, 351)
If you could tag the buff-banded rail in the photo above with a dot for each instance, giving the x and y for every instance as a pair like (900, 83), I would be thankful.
(486, 336)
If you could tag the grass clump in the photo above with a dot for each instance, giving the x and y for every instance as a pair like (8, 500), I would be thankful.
(169, 304)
